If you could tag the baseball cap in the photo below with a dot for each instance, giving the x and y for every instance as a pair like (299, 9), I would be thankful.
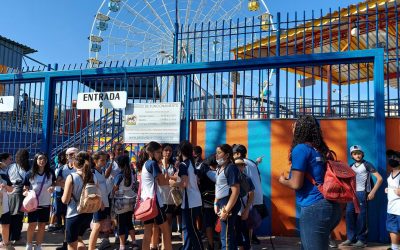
(356, 148)
(239, 148)
(392, 152)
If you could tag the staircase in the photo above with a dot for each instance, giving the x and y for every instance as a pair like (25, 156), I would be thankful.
(108, 127)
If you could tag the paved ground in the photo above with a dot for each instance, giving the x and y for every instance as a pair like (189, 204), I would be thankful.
(282, 243)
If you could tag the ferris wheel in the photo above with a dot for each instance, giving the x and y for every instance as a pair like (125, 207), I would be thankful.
(143, 29)
(138, 30)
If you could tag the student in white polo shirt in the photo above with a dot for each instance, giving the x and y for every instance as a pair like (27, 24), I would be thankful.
(393, 194)
(251, 171)
(5, 188)
(356, 223)
(62, 175)
(150, 173)
(191, 204)
(100, 160)
(227, 189)
(40, 179)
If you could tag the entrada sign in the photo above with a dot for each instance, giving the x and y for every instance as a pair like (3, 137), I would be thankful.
(6, 103)
(100, 100)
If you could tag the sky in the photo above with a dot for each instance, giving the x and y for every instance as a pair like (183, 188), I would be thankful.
(59, 29)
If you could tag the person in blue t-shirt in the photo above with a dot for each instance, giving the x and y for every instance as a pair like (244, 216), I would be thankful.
(308, 152)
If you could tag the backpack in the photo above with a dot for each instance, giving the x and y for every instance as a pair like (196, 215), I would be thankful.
(124, 199)
(90, 200)
(244, 183)
(339, 182)
(31, 202)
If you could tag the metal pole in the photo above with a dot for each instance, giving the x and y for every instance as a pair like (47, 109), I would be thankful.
(48, 116)
(278, 52)
(175, 52)
(380, 127)
(187, 104)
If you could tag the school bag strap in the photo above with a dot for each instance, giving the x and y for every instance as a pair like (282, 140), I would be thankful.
(72, 191)
(41, 187)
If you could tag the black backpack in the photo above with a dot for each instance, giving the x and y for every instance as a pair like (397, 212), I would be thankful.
(243, 181)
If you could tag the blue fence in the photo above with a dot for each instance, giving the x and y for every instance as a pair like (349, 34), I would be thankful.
(221, 65)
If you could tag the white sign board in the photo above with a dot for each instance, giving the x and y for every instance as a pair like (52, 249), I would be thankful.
(102, 100)
(6, 103)
(160, 122)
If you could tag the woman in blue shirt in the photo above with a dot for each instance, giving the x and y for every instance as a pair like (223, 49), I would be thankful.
(318, 216)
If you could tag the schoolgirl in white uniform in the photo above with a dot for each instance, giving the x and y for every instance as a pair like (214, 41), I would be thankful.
(5, 188)
(77, 223)
(191, 205)
(123, 183)
(168, 168)
(227, 189)
(393, 194)
(149, 180)
(100, 160)
(41, 179)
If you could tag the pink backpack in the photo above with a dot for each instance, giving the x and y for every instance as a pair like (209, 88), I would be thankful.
(31, 202)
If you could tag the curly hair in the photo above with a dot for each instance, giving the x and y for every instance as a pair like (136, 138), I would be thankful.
(307, 130)
(35, 167)
(22, 159)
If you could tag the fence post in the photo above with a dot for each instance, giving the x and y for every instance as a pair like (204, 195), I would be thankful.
(187, 103)
(175, 61)
(48, 116)
(278, 53)
(380, 131)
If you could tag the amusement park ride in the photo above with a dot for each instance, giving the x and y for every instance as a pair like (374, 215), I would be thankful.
(128, 30)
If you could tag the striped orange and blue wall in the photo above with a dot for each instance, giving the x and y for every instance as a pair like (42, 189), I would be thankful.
(272, 139)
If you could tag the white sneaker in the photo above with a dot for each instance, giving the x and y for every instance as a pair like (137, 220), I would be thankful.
(38, 247)
(28, 247)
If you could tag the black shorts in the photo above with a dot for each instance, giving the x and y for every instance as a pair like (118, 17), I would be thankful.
(262, 210)
(125, 223)
(161, 217)
(209, 217)
(5, 219)
(42, 214)
(101, 215)
(76, 226)
(59, 207)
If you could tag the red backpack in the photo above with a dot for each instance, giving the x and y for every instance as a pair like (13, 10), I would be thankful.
(339, 182)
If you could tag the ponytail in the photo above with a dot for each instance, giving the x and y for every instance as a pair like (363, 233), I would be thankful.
(123, 164)
(84, 162)
(142, 158)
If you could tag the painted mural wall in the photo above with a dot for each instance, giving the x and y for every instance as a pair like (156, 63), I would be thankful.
(272, 139)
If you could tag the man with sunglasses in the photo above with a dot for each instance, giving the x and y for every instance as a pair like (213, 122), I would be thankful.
(67, 169)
